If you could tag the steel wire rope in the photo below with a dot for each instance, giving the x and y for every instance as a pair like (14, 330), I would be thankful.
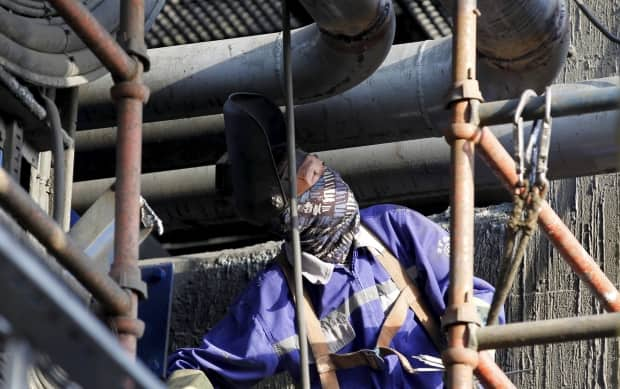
(292, 171)
(596, 22)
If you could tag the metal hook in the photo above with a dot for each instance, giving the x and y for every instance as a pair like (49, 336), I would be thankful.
(518, 134)
(544, 144)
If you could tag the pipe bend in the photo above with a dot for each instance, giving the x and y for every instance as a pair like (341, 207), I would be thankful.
(342, 55)
(348, 42)
(522, 44)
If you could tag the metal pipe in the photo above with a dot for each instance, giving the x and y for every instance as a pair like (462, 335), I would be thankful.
(415, 72)
(548, 331)
(18, 203)
(491, 375)
(560, 236)
(567, 101)
(524, 39)
(19, 359)
(68, 105)
(459, 360)
(346, 45)
(595, 95)
(58, 153)
(189, 129)
(304, 366)
(97, 38)
(130, 96)
(40, 309)
(416, 171)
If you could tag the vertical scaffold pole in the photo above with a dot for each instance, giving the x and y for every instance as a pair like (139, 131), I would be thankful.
(292, 166)
(130, 95)
(460, 315)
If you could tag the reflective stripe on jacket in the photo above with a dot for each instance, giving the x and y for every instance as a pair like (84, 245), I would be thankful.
(257, 337)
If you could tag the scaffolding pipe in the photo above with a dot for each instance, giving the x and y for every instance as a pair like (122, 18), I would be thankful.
(130, 95)
(347, 44)
(490, 375)
(20, 205)
(560, 236)
(548, 331)
(460, 315)
(97, 38)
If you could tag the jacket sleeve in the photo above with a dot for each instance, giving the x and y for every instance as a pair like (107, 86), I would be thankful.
(236, 352)
(420, 243)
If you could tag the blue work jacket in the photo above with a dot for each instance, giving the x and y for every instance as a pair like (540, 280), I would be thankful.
(257, 338)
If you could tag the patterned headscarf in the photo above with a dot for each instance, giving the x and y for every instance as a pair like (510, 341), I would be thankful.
(328, 218)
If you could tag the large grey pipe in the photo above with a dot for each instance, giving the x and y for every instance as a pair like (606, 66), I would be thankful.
(411, 86)
(347, 44)
(567, 99)
(415, 170)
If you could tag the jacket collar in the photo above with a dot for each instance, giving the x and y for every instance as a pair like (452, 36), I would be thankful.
(318, 272)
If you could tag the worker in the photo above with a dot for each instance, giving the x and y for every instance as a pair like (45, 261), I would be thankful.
(350, 293)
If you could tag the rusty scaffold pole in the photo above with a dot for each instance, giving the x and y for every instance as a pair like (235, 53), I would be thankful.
(130, 95)
(461, 315)
(126, 61)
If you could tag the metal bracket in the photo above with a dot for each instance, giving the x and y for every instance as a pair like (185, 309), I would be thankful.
(130, 278)
(458, 315)
(137, 48)
(465, 90)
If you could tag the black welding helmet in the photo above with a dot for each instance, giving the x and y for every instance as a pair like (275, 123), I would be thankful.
(256, 142)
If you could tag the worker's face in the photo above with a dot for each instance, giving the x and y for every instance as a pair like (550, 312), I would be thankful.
(311, 169)
(328, 214)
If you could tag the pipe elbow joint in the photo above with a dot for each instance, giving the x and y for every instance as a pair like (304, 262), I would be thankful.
(530, 54)
(348, 49)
